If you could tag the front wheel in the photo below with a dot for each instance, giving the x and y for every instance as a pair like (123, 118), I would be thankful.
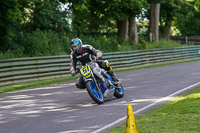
(94, 92)
(119, 92)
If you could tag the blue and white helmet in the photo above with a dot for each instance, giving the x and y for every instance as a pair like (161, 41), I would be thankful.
(76, 45)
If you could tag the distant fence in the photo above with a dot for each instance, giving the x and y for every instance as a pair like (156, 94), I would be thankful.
(186, 40)
(20, 70)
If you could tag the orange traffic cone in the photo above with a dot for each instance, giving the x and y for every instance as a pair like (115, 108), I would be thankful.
(130, 121)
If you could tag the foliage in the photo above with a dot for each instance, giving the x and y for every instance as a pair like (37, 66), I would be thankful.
(189, 23)
(46, 15)
(193, 21)
(9, 15)
(102, 43)
(36, 43)
(20, 17)
(98, 16)
(40, 43)
(170, 10)
(46, 43)
(35, 27)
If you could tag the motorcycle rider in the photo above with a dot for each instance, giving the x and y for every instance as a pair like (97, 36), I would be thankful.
(84, 54)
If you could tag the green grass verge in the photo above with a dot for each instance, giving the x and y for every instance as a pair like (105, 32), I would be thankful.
(179, 115)
(14, 87)
(20, 86)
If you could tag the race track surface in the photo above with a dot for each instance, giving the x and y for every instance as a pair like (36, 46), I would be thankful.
(61, 108)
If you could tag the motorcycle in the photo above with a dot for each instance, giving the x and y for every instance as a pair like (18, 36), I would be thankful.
(99, 83)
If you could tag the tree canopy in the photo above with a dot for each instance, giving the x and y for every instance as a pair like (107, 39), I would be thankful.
(22, 20)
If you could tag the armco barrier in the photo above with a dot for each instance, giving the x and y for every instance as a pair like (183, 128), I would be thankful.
(20, 70)
(186, 39)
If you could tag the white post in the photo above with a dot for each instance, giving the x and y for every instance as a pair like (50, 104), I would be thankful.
(186, 40)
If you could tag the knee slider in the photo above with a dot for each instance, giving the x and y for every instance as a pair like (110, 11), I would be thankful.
(107, 66)
(107, 63)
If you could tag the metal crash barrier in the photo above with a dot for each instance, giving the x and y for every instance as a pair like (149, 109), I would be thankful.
(21, 70)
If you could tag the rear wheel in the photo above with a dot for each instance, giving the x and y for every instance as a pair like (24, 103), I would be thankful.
(119, 92)
(94, 92)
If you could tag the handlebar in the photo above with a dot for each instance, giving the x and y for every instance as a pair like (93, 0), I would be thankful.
(78, 69)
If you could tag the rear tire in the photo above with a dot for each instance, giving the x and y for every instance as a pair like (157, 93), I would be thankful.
(94, 92)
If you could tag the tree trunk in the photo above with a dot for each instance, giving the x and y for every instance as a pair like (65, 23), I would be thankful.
(167, 29)
(133, 34)
(122, 26)
(154, 22)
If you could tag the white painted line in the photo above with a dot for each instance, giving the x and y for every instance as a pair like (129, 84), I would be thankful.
(164, 99)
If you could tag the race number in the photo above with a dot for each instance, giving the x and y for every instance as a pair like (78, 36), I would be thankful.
(85, 70)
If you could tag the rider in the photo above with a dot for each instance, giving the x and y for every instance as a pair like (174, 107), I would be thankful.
(83, 54)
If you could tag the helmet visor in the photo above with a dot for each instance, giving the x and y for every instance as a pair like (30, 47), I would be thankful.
(76, 47)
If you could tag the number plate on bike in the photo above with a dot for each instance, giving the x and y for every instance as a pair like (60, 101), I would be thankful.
(85, 70)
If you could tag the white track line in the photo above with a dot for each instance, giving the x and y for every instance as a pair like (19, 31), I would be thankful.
(164, 99)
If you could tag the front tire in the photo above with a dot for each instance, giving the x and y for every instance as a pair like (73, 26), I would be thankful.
(94, 92)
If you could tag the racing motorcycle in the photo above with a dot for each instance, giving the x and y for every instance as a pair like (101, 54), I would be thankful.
(99, 83)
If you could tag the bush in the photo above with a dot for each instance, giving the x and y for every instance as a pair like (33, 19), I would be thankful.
(41, 43)
(49, 43)
(166, 44)
(65, 44)
(18, 52)
(101, 42)
(38, 43)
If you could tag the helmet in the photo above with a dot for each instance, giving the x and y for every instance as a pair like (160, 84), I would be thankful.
(76, 45)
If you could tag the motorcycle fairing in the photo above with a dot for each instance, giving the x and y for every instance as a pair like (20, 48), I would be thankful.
(86, 71)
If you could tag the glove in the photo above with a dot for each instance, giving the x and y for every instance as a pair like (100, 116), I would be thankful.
(99, 56)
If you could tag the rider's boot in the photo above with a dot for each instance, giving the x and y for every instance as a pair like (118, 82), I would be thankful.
(112, 74)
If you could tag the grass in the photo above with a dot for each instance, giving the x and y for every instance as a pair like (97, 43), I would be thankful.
(26, 85)
(179, 115)
(20, 86)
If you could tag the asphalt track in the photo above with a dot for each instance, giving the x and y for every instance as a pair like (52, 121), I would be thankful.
(61, 108)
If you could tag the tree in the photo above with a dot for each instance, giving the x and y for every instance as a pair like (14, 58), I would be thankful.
(91, 16)
(126, 23)
(45, 15)
(19, 17)
(10, 16)
(188, 22)
(133, 31)
(170, 10)
(154, 20)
